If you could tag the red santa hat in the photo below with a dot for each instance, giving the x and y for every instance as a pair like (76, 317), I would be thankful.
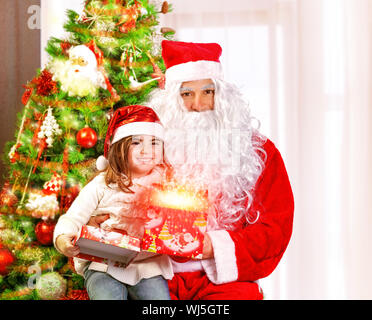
(129, 121)
(187, 61)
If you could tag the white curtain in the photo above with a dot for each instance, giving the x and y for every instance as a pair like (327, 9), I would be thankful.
(304, 66)
(53, 16)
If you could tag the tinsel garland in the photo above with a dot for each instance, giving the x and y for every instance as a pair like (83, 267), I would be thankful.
(50, 265)
(97, 33)
(65, 167)
(112, 61)
(58, 166)
(16, 294)
(145, 23)
(120, 11)
(91, 105)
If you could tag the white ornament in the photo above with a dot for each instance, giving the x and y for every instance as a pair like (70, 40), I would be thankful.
(49, 128)
(42, 206)
(49, 142)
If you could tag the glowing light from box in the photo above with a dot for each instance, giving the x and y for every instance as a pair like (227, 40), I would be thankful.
(179, 198)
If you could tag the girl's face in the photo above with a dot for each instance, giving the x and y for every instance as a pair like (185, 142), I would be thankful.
(145, 152)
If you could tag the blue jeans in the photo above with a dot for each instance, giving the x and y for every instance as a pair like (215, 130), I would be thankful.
(101, 286)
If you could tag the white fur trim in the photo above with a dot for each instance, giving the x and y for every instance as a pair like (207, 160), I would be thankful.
(102, 163)
(194, 70)
(223, 267)
(188, 266)
(136, 128)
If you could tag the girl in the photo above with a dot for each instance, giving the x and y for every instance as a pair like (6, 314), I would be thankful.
(133, 160)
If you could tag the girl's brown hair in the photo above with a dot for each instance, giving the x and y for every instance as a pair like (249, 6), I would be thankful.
(118, 170)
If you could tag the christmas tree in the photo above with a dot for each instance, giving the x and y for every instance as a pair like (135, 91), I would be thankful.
(111, 58)
(164, 233)
(152, 247)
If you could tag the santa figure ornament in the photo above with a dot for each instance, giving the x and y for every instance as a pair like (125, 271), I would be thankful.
(83, 73)
(129, 121)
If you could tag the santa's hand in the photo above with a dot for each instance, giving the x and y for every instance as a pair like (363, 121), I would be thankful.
(207, 248)
(96, 221)
(65, 244)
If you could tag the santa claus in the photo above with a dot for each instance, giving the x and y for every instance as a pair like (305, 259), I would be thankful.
(212, 143)
(83, 73)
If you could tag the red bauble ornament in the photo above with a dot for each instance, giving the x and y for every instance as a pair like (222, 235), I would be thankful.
(6, 259)
(86, 138)
(44, 232)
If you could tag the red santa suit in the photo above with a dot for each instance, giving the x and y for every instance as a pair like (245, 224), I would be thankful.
(250, 252)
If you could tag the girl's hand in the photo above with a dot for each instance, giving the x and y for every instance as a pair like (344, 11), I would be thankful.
(65, 244)
(95, 221)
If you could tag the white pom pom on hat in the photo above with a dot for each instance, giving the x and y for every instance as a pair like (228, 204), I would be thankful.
(128, 121)
(102, 163)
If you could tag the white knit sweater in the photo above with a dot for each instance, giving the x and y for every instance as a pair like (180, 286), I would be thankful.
(98, 198)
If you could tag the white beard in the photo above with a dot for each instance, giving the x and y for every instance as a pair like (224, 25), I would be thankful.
(214, 150)
(77, 80)
(202, 151)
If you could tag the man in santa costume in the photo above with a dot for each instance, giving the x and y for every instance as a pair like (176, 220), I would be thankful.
(212, 143)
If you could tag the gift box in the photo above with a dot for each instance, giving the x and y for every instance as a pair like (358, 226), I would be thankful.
(107, 246)
(177, 223)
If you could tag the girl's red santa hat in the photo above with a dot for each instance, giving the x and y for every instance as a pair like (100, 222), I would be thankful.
(130, 121)
(187, 61)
